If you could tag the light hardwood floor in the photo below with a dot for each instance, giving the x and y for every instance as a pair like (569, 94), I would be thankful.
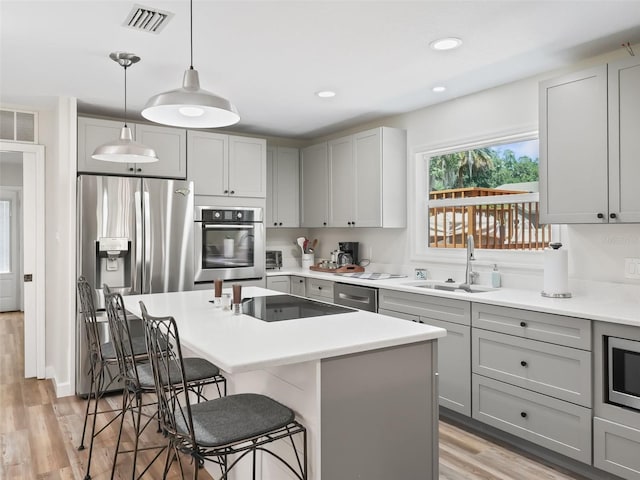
(39, 434)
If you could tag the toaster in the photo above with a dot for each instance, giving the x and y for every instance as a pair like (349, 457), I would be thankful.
(274, 259)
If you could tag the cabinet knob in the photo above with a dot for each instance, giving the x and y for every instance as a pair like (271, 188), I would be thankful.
(348, 223)
(280, 224)
(324, 224)
(523, 324)
(138, 169)
(131, 169)
(523, 414)
(275, 224)
(226, 191)
(232, 192)
(319, 288)
(353, 224)
(600, 215)
(523, 363)
(612, 215)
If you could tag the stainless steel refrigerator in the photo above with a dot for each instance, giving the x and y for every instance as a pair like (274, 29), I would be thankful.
(136, 236)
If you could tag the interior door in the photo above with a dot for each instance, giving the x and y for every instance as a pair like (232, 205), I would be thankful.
(10, 267)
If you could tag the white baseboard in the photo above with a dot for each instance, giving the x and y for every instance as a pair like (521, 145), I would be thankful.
(64, 389)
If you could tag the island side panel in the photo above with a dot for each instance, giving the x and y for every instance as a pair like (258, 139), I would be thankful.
(379, 414)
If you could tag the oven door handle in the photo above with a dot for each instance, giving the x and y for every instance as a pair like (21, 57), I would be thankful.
(217, 226)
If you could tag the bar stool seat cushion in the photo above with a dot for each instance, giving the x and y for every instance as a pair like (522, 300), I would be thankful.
(138, 344)
(194, 369)
(234, 418)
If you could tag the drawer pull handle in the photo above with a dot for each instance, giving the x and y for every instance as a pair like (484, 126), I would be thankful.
(523, 363)
(523, 324)
(523, 414)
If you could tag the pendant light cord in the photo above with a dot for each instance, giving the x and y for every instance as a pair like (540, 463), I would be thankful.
(191, 31)
(125, 93)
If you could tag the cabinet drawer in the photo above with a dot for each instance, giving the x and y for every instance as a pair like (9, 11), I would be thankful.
(322, 289)
(561, 372)
(559, 426)
(427, 307)
(566, 331)
(616, 448)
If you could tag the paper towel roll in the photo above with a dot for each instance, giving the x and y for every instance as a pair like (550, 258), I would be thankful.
(556, 273)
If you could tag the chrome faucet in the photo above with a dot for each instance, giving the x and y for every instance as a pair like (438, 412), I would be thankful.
(470, 276)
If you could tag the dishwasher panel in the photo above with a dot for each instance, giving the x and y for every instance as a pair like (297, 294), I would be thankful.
(355, 296)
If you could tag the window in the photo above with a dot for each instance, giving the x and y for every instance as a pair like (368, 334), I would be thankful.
(488, 190)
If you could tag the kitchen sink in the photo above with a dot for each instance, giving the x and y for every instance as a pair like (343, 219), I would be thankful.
(450, 286)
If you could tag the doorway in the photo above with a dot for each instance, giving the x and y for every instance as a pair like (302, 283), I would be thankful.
(10, 242)
(31, 276)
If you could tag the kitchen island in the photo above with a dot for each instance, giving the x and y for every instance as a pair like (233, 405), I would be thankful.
(363, 384)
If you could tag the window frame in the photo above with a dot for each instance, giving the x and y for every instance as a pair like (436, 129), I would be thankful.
(420, 249)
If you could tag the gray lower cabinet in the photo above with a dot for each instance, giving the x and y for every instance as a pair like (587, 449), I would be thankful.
(318, 289)
(560, 426)
(546, 327)
(616, 448)
(532, 377)
(280, 284)
(560, 372)
(454, 350)
(298, 285)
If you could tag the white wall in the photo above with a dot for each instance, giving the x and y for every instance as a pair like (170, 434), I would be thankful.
(597, 252)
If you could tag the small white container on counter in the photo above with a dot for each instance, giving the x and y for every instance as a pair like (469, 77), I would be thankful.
(307, 260)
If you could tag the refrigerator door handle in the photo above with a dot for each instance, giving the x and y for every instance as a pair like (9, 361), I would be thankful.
(139, 236)
(146, 272)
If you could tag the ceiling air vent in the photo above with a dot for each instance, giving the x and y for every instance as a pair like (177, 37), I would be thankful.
(147, 19)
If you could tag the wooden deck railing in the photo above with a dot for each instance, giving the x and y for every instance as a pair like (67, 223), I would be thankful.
(494, 224)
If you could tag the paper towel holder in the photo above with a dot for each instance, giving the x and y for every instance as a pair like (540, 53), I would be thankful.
(555, 246)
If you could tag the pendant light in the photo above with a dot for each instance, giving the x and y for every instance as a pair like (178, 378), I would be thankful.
(125, 150)
(191, 106)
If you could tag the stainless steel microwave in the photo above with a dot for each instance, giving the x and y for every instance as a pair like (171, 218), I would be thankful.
(623, 358)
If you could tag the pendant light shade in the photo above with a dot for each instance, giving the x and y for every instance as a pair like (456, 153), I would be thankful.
(125, 150)
(191, 106)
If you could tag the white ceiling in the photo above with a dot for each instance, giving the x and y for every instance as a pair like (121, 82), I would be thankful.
(269, 57)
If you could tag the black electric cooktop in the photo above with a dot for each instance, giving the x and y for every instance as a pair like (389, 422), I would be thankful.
(275, 308)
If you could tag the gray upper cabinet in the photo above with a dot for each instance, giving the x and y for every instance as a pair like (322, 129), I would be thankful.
(355, 180)
(588, 133)
(314, 172)
(169, 143)
(283, 187)
(227, 165)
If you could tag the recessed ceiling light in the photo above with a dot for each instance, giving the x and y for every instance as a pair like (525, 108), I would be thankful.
(326, 93)
(438, 89)
(448, 43)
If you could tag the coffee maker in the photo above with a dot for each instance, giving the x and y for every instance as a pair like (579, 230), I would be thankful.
(348, 253)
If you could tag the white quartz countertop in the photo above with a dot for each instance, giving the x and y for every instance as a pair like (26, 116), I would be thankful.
(238, 343)
(607, 302)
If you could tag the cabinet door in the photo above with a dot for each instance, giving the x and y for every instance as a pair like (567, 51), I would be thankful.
(342, 189)
(624, 140)
(573, 148)
(271, 205)
(615, 448)
(280, 284)
(298, 286)
(314, 167)
(283, 195)
(207, 168)
(247, 167)
(92, 133)
(367, 180)
(454, 366)
(171, 146)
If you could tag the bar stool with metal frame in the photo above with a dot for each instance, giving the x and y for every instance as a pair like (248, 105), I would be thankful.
(135, 371)
(239, 424)
(102, 358)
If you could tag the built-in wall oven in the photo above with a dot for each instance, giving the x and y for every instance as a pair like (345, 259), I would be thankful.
(623, 375)
(229, 243)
